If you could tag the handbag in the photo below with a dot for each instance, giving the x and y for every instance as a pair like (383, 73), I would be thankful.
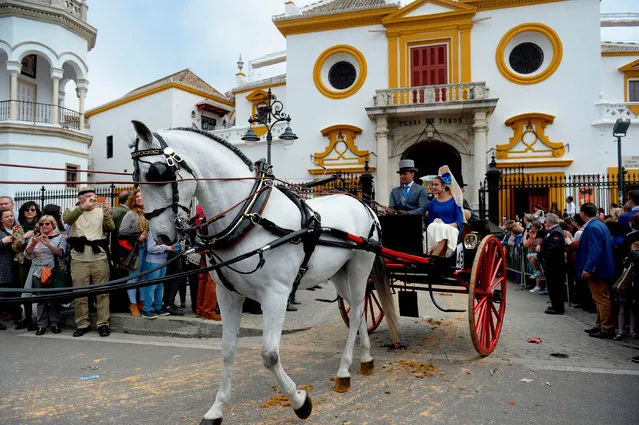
(46, 277)
(625, 280)
(131, 259)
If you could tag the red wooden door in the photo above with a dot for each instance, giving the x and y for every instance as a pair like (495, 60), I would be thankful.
(429, 67)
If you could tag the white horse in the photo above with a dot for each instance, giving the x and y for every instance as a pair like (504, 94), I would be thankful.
(201, 155)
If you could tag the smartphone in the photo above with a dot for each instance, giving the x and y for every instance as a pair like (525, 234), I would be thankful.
(36, 232)
(101, 200)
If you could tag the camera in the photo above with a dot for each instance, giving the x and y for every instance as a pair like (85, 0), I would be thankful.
(36, 232)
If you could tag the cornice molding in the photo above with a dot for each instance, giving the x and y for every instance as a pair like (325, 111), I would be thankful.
(50, 131)
(482, 5)
(51, 16)
(333, 22)
(172, 85)
(536, 164)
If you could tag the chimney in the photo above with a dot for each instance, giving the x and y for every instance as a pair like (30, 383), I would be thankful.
(291, 9)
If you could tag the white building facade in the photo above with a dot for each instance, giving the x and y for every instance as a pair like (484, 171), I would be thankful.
(448, 82)
(43, 46)
(178, 100)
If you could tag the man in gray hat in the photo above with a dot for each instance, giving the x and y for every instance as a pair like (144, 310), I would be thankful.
(409, 197)
(88, 238)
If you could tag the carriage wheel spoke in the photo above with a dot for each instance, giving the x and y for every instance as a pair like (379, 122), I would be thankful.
(374, 298)
(496, 270)
(479, 304)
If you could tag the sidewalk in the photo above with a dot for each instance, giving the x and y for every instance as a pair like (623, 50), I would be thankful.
(310, 313)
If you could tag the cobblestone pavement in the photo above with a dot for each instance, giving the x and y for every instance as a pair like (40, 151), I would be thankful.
(438, 378)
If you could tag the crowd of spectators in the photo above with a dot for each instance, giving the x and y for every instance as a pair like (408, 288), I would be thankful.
(587, 257)
(91, 244)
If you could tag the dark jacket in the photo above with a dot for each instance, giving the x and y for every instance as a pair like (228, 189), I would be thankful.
(594, 253)
(552, 252)
(415, 203)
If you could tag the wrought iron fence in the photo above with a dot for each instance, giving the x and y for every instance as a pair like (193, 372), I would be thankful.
(346, 182)
(67, 198)
(519, 192)
(40, 113)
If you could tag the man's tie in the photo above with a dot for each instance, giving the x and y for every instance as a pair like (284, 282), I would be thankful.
(406, 187)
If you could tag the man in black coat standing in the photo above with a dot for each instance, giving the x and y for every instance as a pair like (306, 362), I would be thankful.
(553, 260)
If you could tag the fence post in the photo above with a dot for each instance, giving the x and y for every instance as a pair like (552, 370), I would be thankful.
(112, 194)
(493, 176)
(42, 197)
(366, 178)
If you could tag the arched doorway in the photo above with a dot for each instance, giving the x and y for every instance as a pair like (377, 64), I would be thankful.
(429, 155)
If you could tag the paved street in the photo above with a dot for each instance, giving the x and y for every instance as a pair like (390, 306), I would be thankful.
(162, 380)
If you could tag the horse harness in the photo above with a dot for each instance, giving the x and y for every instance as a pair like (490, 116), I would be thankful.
(249, 215)
(162, 171)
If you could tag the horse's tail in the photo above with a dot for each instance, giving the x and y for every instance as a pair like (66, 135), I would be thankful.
(382, 284)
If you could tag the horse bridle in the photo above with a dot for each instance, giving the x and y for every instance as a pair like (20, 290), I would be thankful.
(163, 171)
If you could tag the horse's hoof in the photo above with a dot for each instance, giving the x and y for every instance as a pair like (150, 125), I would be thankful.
(343, 384)
(305, 411)
(366, 368)
(216, 421)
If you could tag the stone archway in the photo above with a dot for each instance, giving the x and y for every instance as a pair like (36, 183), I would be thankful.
(431, 154)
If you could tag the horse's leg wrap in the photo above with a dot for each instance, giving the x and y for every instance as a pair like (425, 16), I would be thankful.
(366, 368)
(305, 411)
(342, 385)
(217, 421)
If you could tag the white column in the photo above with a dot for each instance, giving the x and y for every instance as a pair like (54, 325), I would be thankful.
(82, 93)
(14, 70)
(480, 146)
(56, 76)
(382, 190)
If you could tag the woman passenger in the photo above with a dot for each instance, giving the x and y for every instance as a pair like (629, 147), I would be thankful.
(28, 216)
(445, 216)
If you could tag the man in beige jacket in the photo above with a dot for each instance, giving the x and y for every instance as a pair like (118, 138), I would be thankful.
(88, 238)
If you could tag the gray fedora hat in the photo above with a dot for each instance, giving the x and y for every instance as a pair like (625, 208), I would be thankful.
(406, 165)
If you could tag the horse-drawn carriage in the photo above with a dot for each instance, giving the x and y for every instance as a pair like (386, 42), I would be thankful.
(478, 269)
(263, 241)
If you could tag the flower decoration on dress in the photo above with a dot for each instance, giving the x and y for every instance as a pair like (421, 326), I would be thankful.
(447, 178)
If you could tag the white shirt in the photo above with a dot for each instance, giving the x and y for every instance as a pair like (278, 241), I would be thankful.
(571, 209)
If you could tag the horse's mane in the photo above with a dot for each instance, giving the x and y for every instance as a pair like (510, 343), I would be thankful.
(221, 141)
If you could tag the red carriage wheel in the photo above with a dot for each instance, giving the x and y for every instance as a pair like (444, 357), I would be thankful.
(487, 295)
(373, 313)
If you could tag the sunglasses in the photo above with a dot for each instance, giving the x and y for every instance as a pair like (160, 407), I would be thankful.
(33, 209)
(46, 223)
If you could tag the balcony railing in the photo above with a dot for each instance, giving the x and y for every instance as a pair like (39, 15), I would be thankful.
(75, 8)
(429, 95)
(234, 134)
(40, 113)
(611, 112)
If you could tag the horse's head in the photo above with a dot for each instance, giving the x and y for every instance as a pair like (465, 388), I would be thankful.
(167, 198)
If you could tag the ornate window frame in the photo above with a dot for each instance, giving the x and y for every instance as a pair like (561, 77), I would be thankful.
(551, 67)
(356, 58)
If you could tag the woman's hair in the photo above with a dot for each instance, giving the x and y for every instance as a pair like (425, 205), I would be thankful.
(529, 217)
(49, 218)
(634, 222)
(55, 211)
(578, 220)
(2, 212)
(537, 225)
(24, 207)
(130, 203)
(446, 188)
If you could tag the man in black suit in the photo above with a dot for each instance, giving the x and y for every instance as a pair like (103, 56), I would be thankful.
(553, 260)
(409, 197)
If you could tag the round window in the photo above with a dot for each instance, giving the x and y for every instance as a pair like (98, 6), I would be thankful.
(342, 75)
(526, 58)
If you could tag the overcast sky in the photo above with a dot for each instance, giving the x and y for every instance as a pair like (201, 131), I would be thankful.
(140, 41)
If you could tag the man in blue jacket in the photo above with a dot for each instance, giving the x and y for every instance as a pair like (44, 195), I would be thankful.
(594, 264)
(410, 197)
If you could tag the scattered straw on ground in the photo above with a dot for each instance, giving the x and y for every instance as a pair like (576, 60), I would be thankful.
(418, 370)
(280, 400)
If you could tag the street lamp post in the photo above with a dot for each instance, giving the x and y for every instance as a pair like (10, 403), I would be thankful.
(268, 113)
(619, 130)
